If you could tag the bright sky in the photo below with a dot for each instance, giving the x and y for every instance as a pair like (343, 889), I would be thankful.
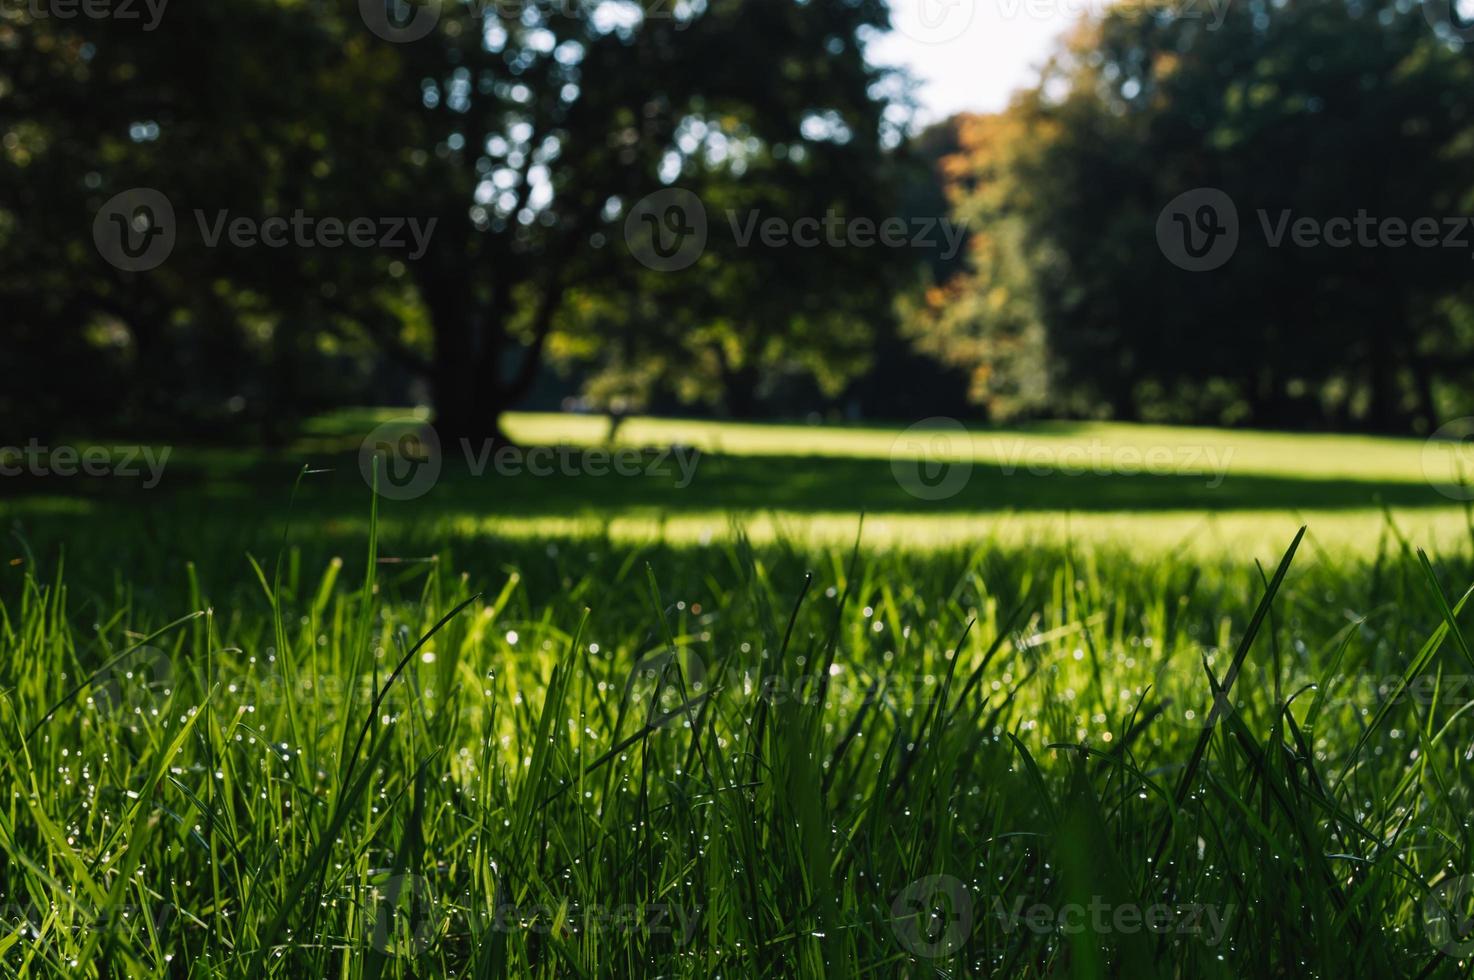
(971, 54)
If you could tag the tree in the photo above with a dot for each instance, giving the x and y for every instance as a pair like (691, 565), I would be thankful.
(1316, 109)
(95, 107)
(985, 321)
(750, 314)
(527, 132)
(528, 135)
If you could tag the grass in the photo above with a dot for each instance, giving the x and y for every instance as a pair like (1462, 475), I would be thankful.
(1206, 492)
(248, 730)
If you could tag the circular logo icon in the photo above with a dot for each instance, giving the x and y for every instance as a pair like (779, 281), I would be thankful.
(1448, 21)
(1448, 916)
(402, 917)
(400, 21)
(1181, 684)
(410, 453)
(1448, 459)
(1198, 230)
(666, 231)
(661, 682)
(932, 460)
(933, 21)
(932, 917)
(136, 683)
(135, 230)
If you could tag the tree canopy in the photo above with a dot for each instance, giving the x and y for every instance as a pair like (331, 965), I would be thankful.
(526, 133)
(1318, 109)
(471, 199)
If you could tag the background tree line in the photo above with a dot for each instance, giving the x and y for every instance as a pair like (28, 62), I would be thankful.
(1314, 109)
(529, 131)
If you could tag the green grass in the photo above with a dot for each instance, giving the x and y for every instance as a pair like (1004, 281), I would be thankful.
(487, 733)
(1212, 490)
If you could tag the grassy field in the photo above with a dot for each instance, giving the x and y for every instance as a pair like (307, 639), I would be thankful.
(1145, 488)
(694, 721)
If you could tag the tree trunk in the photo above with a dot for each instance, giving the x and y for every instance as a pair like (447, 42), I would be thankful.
(740, 391)
(471, 372)
(1423, 386)
(468, 404)
(1382, 410)
(466, 379)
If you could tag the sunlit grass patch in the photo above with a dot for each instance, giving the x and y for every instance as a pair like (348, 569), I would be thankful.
(523, 756)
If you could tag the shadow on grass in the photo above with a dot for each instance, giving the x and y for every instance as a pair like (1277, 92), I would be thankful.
(675, 483)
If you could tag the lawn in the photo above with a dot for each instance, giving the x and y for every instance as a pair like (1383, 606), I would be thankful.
(1146, 488)
(699, 722)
